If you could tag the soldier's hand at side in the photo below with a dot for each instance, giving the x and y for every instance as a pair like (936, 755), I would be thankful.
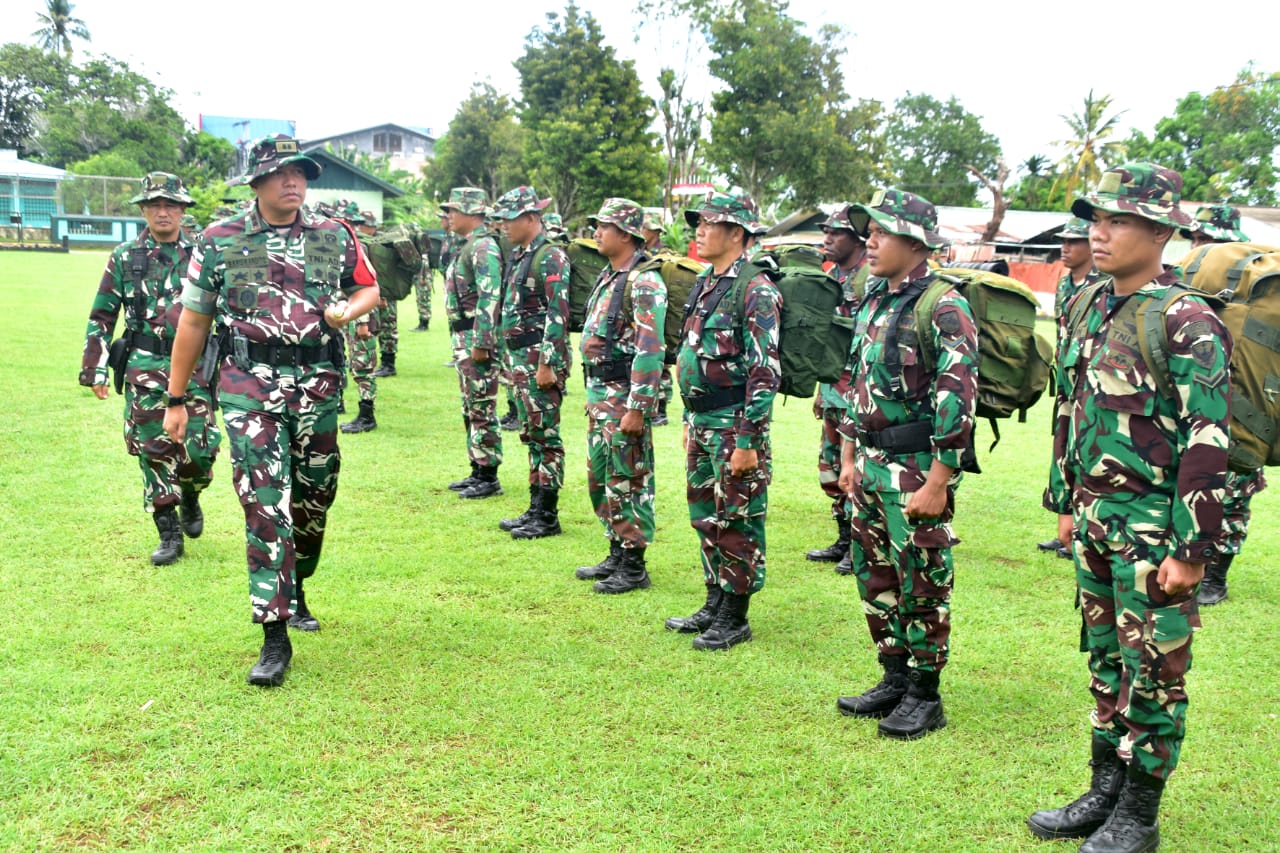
(846, 480)
(743, 461)
(632, 423)
(479, 356)
(1176, 576)
(175, 423)
(545, 377)
(817, 407)
(100, 391)
(926, 502)
(1066, 528)
(362, 331)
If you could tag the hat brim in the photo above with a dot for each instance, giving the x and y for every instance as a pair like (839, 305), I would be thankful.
(861, 216)
(310, 168)
(1170, 215)
(634, 232)
(693, 217)
(182, 199)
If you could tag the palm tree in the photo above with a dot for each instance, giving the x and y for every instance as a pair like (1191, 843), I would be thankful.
(57, 28)
(1089, 151)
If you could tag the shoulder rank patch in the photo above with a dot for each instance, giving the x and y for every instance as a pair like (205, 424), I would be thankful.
(949, 322)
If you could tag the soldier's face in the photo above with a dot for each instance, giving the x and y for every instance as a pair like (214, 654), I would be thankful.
(892, 256)
(614, 243)
(1075, 254)
(164, 218)
(718, 241)
(522, 229)
(1123, 244)
(281, 194)
(842, 247)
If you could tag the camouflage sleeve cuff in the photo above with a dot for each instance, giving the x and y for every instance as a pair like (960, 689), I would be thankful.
(198, 299)
(747, 437)
(1059, 506)
(1199, 551)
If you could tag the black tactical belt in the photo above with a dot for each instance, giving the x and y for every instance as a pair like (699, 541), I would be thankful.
(280, 355)
(527, 339)
(721, 398)
(609, 371)
(149, 343)
(464, 325)
(915, 437)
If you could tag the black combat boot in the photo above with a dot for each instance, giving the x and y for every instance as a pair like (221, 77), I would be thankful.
(1081, 817)
(1133, 826)
(388, 366)
(170, 529)
(363, 422)
(535, 503)
(630, 574)
(422, 325)
(302, 619)
(1213, 589)
(836, 551)
(467, 481)
(660, 419)
(702, 619)
(845, 566)
(190, 514)
(342, 406)
(485, 485)
(1048, 545)
(879, 701)
(730, 625)
(511, 420)
(274, 658)
(919, 712)
(602, 569)
(545, 522)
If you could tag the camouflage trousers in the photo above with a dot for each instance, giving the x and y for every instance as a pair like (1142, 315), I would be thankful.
(362, 360)
(539, 413)
(667, 386)
(388, 330)
(620, 481)
(728, 512)
(285, 470)
(1139, 644)
(829, 449)
(169, 469)
(478, 386)
(904, 576)
(1235, 509)
(422, 296)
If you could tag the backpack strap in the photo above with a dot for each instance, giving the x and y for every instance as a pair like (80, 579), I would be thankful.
(138, 261)
(926, 306)
(892, 355)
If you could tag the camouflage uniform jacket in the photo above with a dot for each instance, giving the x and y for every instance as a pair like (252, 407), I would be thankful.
(836, 396)
(637, 338)
(943, 393)
(272, 285)
(472, 286)
(736, 345)
(151, 309)
(1067, 288)
(448, 248)
(539, 303)
(1138, 465)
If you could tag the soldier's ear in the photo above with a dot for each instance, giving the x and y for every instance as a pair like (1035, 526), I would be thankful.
(1161, 233)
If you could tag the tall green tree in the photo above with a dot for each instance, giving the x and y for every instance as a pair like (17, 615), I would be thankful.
(933, 143)
(586, 118)
(29, 79)
(681, 131)
(1031, 192)
(1224, 143)
(58, 27)
(1091, 148)
(206, 159)
(483, 146)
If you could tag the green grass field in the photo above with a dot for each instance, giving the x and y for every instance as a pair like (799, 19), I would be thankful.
(467, 693)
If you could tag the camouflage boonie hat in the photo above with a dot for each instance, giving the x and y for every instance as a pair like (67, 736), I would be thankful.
(897, 212)
(189, 222)
(367, 218)
(623, 213)
(553, 223)
(466, 200)
(518, 201)
(652, 219)
(723, 207)
(271, 153)
(1075, 229)
(839, 221)
(350, 211)
(223, 211)
(1143, 189)
(1220, 222)
(162, 185)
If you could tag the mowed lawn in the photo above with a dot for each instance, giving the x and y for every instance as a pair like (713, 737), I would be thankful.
(467, 693)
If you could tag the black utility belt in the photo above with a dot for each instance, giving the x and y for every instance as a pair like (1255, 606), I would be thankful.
(721, 398)
(609, 371)
(150, 343)
(292, 355)
(915, 437)
(527, 339)
(466, 324)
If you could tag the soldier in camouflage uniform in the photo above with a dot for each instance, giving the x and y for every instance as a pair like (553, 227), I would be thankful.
(472, 292)
(653, 245)
(848, 251)
(362, 335)
(729, 373)
(1137, 484)
(281, 284)
(424, 284)
(554, 227)
(386, 315)
(622, 356)
(534, 328)
(908, 436)
(1078, 259)
(1220, 223)
(143, 278)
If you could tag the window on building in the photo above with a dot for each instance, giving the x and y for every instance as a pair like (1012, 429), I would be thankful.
(387, 143)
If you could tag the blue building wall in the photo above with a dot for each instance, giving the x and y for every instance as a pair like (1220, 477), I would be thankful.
(95, 230)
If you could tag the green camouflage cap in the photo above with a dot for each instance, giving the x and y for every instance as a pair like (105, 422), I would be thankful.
(162, 185)
(623, 213)
(652, 219)
(466, 200)
(367, 218)
(897, 212)
(223, 211)
(553, 223)
(1075, 229)
(271, 153)
(1221, 222)
(1143, 189)
(350, 211)
(189, 222)
(519, 201)
(839, 221)
(723, 207)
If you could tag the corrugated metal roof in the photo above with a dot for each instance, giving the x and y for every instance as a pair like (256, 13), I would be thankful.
(11, 166)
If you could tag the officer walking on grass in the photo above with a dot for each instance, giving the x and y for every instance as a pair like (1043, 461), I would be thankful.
(144, 279)
(281, 283)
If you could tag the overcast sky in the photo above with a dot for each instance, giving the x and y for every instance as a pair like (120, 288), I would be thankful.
(1017, 65)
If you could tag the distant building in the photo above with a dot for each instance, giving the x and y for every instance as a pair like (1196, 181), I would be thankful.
(405, 148)
(340, 180)
(29, 190)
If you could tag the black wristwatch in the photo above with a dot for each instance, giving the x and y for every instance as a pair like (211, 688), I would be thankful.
(180, 400)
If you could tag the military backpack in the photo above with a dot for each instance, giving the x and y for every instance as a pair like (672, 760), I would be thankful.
(585, 264)
(396, 257)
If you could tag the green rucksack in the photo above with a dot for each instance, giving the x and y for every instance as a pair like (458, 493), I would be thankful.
(585, 264)
(393, 252)
(679, 274)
